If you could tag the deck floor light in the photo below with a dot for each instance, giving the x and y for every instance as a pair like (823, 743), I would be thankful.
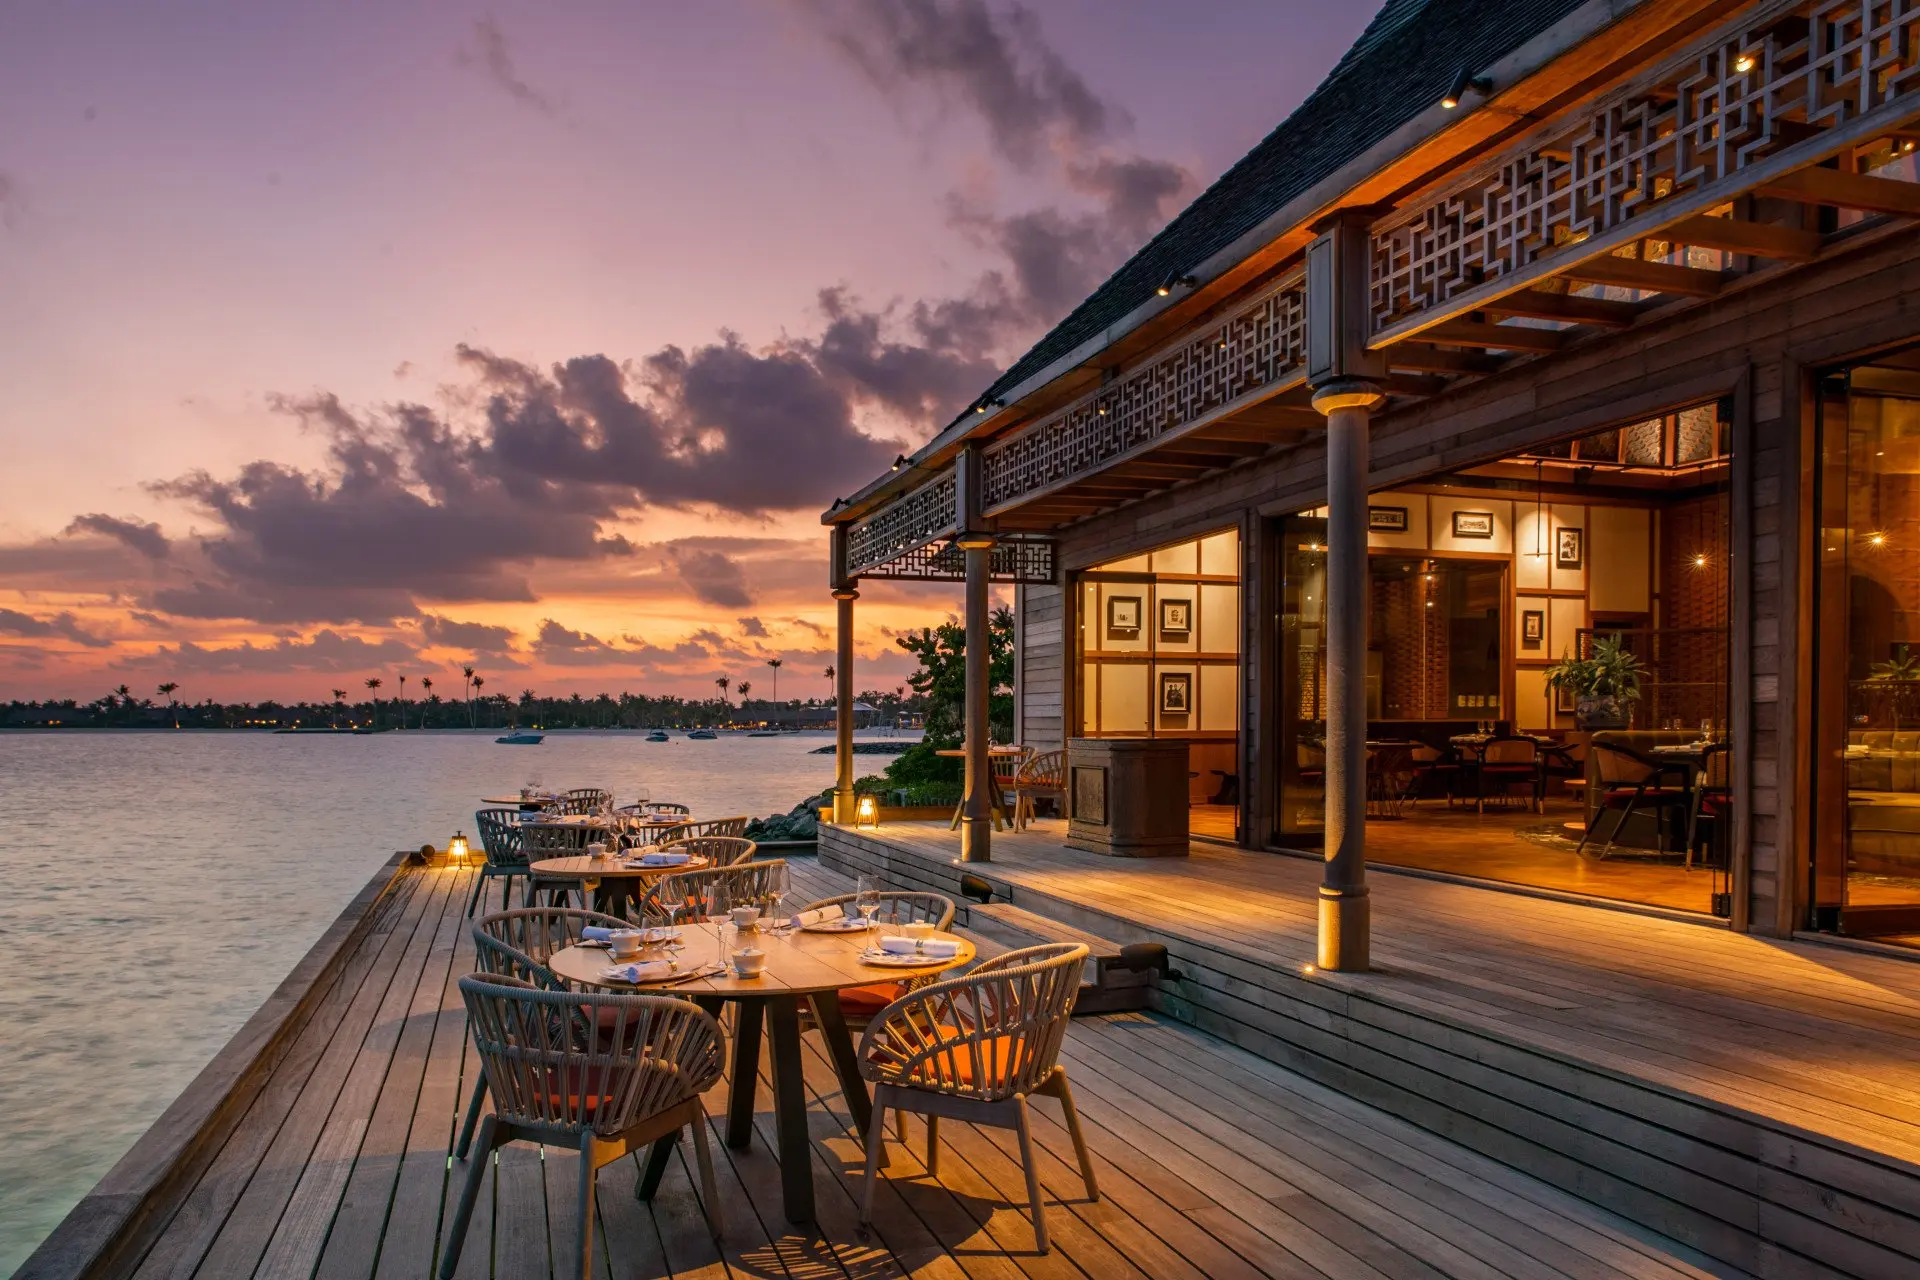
(866, 813)
(457, 849)
(1462, 81)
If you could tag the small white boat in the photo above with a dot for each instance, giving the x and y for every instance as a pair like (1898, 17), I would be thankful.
(703, 735)
(522, 738)
(658, 735)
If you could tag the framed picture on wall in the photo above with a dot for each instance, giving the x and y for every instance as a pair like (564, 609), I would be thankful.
(1176, 617)
(1176, 693)
(1123, 617)
(1473, 524)
(1387, 519)
(1533, 628)
(1567, 549)
(1563, 702)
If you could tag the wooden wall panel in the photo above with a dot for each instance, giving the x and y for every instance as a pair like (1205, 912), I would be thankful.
(1042, 666)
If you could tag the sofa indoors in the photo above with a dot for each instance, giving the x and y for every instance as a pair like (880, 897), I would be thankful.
(1883, 801)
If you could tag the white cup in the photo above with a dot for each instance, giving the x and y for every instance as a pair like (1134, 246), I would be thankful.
(596, 851)
(749, 963)
(918, 930)
(626, 944)
(744, 918)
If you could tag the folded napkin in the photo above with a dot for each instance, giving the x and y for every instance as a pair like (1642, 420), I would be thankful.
(643, 971)
(596, 933)
(665, 858)
(806, 918)
(942, 947)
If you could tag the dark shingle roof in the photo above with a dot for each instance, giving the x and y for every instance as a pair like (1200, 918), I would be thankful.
(1401, 64)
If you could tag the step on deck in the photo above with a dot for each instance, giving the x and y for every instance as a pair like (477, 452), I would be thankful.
(1117, 979)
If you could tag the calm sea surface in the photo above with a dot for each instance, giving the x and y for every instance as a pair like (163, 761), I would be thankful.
(156, 886)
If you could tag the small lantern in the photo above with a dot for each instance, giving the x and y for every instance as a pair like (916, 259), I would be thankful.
(457, 849)
(867, 813)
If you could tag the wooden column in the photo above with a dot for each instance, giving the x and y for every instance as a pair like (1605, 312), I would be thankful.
(1345, 922)
(976, 815)
(1340, 369)
(844, 595)
(975, 540)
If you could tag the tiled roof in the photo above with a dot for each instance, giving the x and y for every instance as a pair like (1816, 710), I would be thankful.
(1399, 67)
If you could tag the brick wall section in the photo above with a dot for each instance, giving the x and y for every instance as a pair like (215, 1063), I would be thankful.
(1760, 339)
(1694, 597)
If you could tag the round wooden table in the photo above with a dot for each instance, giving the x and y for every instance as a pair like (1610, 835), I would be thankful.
(524, 803)
(611, 882)
(801, 967)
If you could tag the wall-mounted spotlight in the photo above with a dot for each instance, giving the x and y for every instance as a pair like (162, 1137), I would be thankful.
(985, 405)
(900, 462)
(1462, 81)
(1171, 283)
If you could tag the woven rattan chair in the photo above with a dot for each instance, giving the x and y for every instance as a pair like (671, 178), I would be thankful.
(719, 851)
(585, 800)
(541, 840)
(1005, 770)
(518, 945)
(701, 893)
(500, 837)
(668, 808)
(712, 827)
(975, 1049)
(1042, 777)
(604, 1095)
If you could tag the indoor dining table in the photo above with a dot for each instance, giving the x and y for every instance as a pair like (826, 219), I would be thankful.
(1000, 813)
(802, 968)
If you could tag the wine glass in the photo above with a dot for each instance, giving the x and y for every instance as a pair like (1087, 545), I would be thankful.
(867, 898)
(719, 903)
(777, 890)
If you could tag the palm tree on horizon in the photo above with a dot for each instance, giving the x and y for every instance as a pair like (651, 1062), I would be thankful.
(723, 682)
(126, 701)
(403, 702)
(339, 702)
(166, 691)
(479, 682)
(426, 684)
(776, 664)
(468, 671)
(373, 696)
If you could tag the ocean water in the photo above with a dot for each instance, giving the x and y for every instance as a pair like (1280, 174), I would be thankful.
(156, 886)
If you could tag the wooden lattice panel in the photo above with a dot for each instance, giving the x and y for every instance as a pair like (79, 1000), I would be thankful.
(1691, 126)
(911, 521)
(1028, 560)
(1262, 346)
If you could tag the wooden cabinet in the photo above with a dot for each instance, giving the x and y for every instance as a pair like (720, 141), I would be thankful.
(1127, 797)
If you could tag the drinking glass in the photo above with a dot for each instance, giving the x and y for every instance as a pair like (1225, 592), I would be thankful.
(867, 898)
(776, 895)
(1706, 730)
(719, 903)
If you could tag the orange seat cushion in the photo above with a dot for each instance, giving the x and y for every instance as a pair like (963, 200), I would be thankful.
(995, 1053)
(864, 1004)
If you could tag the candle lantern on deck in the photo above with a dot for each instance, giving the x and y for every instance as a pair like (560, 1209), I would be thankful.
(866, 813)
(457, 849)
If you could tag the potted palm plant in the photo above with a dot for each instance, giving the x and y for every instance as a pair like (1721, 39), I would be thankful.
(1896, 681)
(1604, 685)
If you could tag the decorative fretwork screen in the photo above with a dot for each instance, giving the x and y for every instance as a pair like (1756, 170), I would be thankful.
(920, 517)
(1259, 348)
(1013, 559)
(1789, 76)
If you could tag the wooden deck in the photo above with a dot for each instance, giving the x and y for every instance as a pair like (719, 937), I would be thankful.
(1759, 1099)
(1212, 1161)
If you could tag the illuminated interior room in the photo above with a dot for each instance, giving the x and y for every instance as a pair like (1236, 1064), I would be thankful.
(1478, 584)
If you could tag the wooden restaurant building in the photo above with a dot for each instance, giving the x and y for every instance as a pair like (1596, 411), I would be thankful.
(1541, 330)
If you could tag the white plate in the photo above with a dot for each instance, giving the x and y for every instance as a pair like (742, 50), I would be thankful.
(883, 960)
(845, 924)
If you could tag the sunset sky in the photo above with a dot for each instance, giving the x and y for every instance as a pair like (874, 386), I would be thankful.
(344, 340)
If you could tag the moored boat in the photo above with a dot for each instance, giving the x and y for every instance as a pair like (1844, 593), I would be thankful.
(521, 738)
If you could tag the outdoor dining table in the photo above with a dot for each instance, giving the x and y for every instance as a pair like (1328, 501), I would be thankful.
(801, 968)
(529, 803)
(612, 882)
(1000, 814)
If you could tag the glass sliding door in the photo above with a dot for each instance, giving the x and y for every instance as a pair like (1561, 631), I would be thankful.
(1300, 794)
(1866, 864)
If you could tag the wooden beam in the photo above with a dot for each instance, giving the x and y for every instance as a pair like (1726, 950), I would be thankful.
(1561, 306)
(1413, 384)
(1424, 357)
(1736, 235)
(1254, 433)
(1508, 337)
(1159, 469)
(1859, 191)
(1654, 277)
